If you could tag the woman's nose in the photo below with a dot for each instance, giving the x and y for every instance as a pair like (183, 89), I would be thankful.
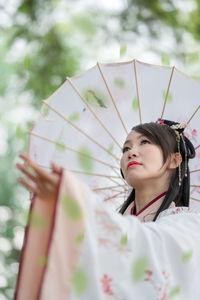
(132, 153)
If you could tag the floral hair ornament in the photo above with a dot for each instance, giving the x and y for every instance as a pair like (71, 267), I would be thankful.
(178, 129)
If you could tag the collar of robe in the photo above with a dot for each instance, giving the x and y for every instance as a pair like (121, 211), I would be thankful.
(147, 213)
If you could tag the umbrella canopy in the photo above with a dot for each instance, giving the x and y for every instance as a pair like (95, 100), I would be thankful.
(84, 124)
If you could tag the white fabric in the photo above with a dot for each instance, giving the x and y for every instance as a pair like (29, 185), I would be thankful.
(170, 246)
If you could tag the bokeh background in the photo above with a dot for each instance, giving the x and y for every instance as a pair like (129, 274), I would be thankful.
(42, 42)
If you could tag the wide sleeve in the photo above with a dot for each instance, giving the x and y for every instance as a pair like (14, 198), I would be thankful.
(92, 252)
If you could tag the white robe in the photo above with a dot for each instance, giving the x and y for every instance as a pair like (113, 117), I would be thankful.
(89, 252)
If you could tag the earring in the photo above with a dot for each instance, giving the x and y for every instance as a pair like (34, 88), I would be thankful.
(185, 154)
(179, 167)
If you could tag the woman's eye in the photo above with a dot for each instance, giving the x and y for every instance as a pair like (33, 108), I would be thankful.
(144, 141)
(125, 149)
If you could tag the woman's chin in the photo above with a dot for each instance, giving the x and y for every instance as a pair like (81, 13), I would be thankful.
(134, 180)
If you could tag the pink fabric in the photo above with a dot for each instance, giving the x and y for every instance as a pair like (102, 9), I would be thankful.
(46, 269)
(149, 213)
(36, 244)
(63, 259)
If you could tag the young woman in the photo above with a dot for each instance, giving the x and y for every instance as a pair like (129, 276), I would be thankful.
(91, 252)
(155, 163)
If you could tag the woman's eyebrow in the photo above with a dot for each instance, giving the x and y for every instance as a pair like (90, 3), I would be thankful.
(128, 141)
(138, 137)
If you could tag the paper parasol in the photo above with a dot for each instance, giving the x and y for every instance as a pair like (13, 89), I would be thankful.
(84, 124)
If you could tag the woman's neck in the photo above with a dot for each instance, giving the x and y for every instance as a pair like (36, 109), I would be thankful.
(145, 195)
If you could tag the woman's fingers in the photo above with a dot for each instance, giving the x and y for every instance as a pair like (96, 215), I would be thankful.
(24, 169)
(56, 168)
(29, 162)
(27, 185)
(24, 156)
(43, 184)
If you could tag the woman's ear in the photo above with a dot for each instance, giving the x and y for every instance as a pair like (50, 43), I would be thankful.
(175, 160)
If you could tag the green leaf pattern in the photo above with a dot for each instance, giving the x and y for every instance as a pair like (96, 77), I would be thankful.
(118, 81)
(71, 208)
(95, 97)
(124, 240)
(110, 148)
(79, 281)
(123, 49)
(138, 268)
(175, 291)
(38, 221)
(74, 117)
(79, 238)
(42, 260)
(20, 132)
(165, 59)
(187, 255)
(45, 111)
(85, 161)
(60, 146)
(135, 104)
(169, 96)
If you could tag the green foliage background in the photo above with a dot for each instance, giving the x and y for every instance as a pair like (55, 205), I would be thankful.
(42, 42)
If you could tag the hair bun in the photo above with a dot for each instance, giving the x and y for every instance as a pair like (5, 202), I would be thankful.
(179, 128)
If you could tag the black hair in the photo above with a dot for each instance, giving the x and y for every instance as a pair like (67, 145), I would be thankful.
(165, 137)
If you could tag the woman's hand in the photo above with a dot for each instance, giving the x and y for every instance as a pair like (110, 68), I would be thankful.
(43, 184)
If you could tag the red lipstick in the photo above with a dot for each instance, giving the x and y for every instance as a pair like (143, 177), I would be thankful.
(132, 163)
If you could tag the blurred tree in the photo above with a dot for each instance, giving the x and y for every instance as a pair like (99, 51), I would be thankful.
(38, 50)
(168, 28)
(151, 14)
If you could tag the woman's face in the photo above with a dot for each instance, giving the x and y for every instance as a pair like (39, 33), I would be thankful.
(141, 160)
